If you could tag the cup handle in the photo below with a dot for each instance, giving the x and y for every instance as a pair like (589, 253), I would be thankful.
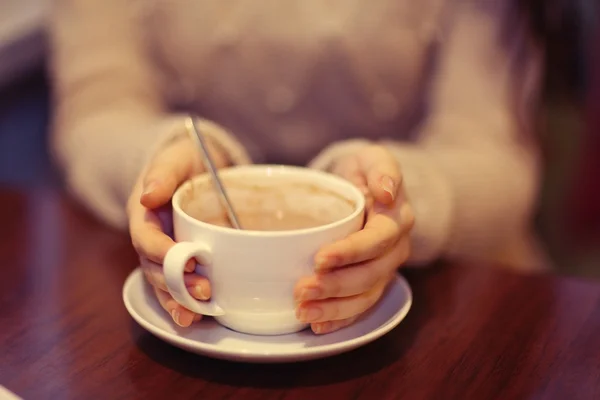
(173, 268)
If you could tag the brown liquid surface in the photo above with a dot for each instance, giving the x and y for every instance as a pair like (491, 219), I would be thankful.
(271, 221)
(201, 203)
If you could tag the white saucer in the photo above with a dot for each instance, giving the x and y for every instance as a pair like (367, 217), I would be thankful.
(213, 340)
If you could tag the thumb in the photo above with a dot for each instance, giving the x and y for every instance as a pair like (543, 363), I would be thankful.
(382, 171)
(165, 173)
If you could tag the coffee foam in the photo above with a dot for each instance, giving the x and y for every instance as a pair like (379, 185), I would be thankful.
(201, 201)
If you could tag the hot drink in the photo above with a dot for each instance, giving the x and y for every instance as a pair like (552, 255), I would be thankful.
(262, 207)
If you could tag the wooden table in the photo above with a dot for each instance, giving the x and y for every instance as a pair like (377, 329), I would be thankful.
(474, 332)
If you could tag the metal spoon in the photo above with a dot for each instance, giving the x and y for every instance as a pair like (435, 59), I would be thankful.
(197, 135)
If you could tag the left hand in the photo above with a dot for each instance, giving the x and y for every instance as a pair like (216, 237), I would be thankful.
(352, 274)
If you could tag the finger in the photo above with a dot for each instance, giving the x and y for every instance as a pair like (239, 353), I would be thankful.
(147, 235)
(349, 169)
(181, 315)
(382, 229)
(190, 266)
(406, 218)
(166, 172)
(339, 308)
(353, 280)
(321, 328)
(197, 285)
(382, 170)
(379, 234)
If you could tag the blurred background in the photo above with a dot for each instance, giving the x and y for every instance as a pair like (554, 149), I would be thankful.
(569, 213)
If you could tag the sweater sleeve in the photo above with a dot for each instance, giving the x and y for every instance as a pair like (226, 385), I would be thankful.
(109, 113)
(472, 174)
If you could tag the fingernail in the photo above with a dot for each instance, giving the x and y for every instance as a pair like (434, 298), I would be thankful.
(320, 261)
(323, 327)
(325, 262)
(149, 188)
(389, 186)
(310, 314)
(310, 294)
(199, 293)
(190, 266)
(175, 315)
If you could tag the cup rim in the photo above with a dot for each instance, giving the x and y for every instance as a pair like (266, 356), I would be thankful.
(359, 198)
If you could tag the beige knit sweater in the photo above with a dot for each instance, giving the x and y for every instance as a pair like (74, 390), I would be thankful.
(449, 86)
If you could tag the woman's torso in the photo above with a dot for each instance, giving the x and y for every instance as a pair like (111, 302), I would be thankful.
(289, 77)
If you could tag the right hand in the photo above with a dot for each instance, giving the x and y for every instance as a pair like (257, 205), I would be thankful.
(151, 224)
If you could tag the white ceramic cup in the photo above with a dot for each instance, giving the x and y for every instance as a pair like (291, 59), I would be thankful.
(253, 273)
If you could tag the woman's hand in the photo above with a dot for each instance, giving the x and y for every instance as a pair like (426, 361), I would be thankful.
(352, 274)
(151, 225)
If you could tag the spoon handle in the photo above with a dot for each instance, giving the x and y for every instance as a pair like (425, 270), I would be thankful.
(210, 166)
